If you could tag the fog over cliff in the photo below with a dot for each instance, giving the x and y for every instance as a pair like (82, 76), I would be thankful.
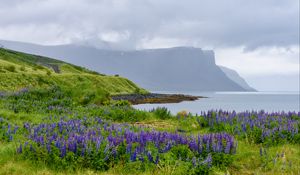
(259, 38)
(168, 69)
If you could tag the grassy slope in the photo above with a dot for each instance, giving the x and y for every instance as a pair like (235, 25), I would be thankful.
(19, 70)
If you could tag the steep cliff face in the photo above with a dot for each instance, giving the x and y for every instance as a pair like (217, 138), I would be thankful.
(234, 76)
(170, 69)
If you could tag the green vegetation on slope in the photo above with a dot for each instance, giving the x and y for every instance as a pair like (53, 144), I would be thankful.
(36, 63)
(19, 70)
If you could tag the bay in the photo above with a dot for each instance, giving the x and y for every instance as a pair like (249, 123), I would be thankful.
(238, 101)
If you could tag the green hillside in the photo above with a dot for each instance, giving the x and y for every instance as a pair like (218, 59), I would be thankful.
(20, 70)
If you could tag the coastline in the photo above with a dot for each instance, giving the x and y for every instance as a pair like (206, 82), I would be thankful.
(155, 98)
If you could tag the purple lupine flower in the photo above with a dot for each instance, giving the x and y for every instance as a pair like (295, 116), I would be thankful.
(150, 158)
(194, 161)
(19, 150)
(82, 152)
(133, 156)
(48, 148)
(208, 160)
(228, 147)
(128, 148)
(73, 135)
(141, 158)
(106, 157)
(10, 137)
(63, 150)
(156, 159)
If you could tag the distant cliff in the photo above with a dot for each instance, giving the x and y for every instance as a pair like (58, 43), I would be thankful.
(171, 69)
(234, 76)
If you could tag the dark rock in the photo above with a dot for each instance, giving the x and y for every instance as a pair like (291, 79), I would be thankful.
(155, 98)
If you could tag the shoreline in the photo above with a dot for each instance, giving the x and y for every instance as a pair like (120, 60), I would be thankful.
(155, 98)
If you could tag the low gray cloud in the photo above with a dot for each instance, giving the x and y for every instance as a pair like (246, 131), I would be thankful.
(258, 38)
(131, 24)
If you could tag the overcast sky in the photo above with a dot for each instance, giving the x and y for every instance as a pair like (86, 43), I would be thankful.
(258, 38)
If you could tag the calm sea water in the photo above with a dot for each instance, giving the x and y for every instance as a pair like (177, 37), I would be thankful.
(238, 101)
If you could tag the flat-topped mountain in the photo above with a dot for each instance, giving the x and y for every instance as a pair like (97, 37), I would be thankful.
(169, 69)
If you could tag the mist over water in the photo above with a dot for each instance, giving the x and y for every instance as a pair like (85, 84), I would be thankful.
(238, 101)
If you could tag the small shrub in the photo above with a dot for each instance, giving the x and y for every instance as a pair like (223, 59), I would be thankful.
(182, 114)
(11, 68)
(41, 81)
(95, 73)
(87, 98)
(137, 91)
(182, 152)
(122, 103)
(39, 67)
(22, 68)
(2, 70)
(222, 160)
(162, 113)
(202, 122)
(48, 72)
(80, 79)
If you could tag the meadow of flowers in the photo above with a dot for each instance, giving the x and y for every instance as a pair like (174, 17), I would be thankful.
(257, 126)
(94, 143)
(72, 138)
(7, 131)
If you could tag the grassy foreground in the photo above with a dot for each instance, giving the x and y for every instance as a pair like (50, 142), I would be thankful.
(253, 151)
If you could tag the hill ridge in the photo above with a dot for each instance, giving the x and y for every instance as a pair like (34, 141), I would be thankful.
(19, 70)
